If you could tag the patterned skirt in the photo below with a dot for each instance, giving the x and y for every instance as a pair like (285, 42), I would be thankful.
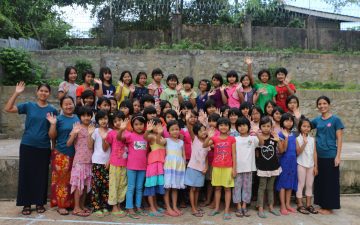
(81, 176)
(174, 169)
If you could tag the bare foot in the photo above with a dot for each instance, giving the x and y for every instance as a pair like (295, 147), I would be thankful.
(179, 212)
(325, 211)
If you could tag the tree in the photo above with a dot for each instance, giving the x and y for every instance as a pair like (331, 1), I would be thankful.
(341, 3)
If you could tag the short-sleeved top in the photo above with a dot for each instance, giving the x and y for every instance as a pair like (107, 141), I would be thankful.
(137, 147)
(233, 96)
(71, 89)
(223, 151)
(83, 153)
(125, 92)
(157, 92)
(249, 96)
(119, 152)
(80, 89)
(267, 160)
(36, 124)
(171, 96)
(187, 142)
(108, 91)
(140, 92)
(282, 94)
(233, 132)
(198, 155)
(200, 101)
(188, 95)
(218, 99)
(245, 153)
(291, 146)
(263, 98)
(326, 146)
(306, 158)
(64, 126)
(99, 156)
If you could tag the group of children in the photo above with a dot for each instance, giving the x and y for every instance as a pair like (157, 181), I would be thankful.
(172, 141)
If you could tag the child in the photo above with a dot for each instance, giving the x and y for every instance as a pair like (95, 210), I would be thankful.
(245, 109)
(256, 115)
(184, 108)
(224, 111)
(68, 86)
(276, 116)
(284, 88)
(188, 94)
(87, 99)
(156, 87)
(224, 164)
(103, 104)
(147, 101)
(172, 92)
(127, 108)
(245, 162)
(234, 115)
(307, 166)
(139, 90)
(105, 88)
(210, 106)
(174, 167)
(81, 169)
(164, 107)
(218, 94)
(100, 165)
(154, 182)
(292, 103)
(234, 90)
(269, 107)
(123, 89)
(136, 163)
(247, 83)
(204, 88)
(288, 178)
(136, 106)
(113, 105)
(264, 90)
(117, 170)
(87, 77)
(268, 167)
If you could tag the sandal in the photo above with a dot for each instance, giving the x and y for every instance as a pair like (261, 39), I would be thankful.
(312, 210)
(141, 212)
(119, 214)
(161, 210)
(106, 212)
(239, 213)
(171, 213)
(98, 214)
(81, 214)
(245, 212)
(213, 213)
(155, 214)
(26, 210)
(227, 216)
(284, 212)
(302, 209)
(290, 209)
(262, 214)
(62, 212)
(197, 214)
(40, 209)
(133, 216)
(275, 212)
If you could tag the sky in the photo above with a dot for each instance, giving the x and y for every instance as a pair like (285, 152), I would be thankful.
(81, 20)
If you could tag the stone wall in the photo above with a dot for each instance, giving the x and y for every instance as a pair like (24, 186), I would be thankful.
(344, 104)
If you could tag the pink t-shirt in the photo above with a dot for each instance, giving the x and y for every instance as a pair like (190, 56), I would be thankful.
(137, 147)
(198, 155)
(223, 151)
(118, 155)
(233, 96)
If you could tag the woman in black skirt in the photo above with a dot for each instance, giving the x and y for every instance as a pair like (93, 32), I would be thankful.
(329, 133)
(34, 148)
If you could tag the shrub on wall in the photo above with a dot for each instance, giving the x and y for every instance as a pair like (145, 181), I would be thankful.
(81, 65)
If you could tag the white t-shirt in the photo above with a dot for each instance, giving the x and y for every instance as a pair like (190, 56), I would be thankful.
(71, 89)
(306, 158)
(245, 153)
(99, 156)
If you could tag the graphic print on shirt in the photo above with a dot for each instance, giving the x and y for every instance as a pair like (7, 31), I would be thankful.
(140, 145)
(109, 93)
(221, 151)
(268, 151)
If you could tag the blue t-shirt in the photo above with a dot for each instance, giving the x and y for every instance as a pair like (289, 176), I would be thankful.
(36, 124)
(64, 125)
(200, 101)
(326, 146)
(140, 92)
(291, 146)
(108, 91)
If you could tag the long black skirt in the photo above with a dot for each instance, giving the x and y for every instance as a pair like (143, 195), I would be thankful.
(33, 176)
(327, 184)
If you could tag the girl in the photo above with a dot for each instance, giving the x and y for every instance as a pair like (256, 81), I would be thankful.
(87, 77)
(174, 167)
(136, 106)
(68, 86)
(233, 90)
(188, 94)
(105, 88)
(139, 90)
(204, 88)
(87, 99)
(81, 174)
(292, 103)
(164, 107)
(288, 178)
(264, 90)
(62, 156)
(269, 107)
(156, 87)
(329, 132)
(100, 165)
(284, 88)
(307, 166)
(113, 106)
(136, 163)
(245, 109)
(218, 94)
(234, 115)
(210, 106)
(172, 92)
(103, 104)
(224, 111)
(147, 101)
(256, 115)
(276, 116)
(123, 89)
(34, 148)
(245, 164)
(224, 164)
(247, 83)
(154, 183)
(268, 167)
(184, 108)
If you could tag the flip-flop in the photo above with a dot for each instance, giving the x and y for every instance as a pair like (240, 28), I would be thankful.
(275, 212)
(40, 209)
(161, 210)
(81, 214)
(141, 212)
(227, 216)
(106, 212)
(133, 216)
(197, 214)
(174, 214)
(284, 212)
(262, 215)
(302, 209)
(239, 213)
(98, 214)
(245, 212)
(119, 214)
(312, 210)
(290, 209)
(213, 213)
(26, 210)
(155, 214)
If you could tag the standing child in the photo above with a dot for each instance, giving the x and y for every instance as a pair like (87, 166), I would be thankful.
(234, 115)
(136, 106)
(172, 92)
(269, 107)
(234, 89)
(245, 165)
(264, 90)
(256, 115)
(245, 109)
(224, 164)
(87, 77)
(156, 87)
(287, 181)
(284, 88)
(104, 87)
(247, 82)
(276, 117)
(139, 90)
(123, 89)
(218, 94)
(188, 94)
(293, 106)
(103, 104)
(307, 166)
(202, 97)
(68, 86)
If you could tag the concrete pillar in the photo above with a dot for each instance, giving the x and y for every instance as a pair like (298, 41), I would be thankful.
(176, 27)
(311, 33)
(247, 32)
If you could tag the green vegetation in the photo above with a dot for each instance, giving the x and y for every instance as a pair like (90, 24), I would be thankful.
(81, 65)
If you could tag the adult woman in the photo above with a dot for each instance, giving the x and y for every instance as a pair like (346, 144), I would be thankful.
(329, 132)
(62, 156)
(34, 148)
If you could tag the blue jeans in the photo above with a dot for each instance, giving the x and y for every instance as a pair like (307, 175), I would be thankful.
(135, 184)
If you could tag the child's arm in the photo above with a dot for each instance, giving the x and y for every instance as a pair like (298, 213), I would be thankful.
(105, 144)
(300, 149)
(132, 91)
(233, 152)
(315, 160)
(159, 138)
(91, 130)
(148, 135)
(118, 93)
(206, 165)
(178, 90)
(189, 126)
(223, 96)
(99, 91)
(208, 142)
(255, 97)
(73, 134)
(123, 125)
(193, 98)
(283, 142)
(183, 152)
(248, 62)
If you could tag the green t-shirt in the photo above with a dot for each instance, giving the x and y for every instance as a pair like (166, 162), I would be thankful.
(264, 97)
(171, 96)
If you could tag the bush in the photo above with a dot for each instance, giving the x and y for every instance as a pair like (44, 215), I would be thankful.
(81, 65)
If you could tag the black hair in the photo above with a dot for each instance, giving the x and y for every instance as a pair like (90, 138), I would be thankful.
(119, 115)
(85, 110)
(323, 97)
(194, 112)
(302, 120)
(101, 100)
(163, 103)
(157, 71)
(286, 116)
(149, 110)
(147, 98)
(197, 127)
(156, 121)
(223, 120)
(257, 108)
(123, 74)
(213, 117)
(245, 105)
(43, 85)
(242, 121)
(232, 73)
(234, 111)
(172, 77)
(277, 109)
(281, 70)
(66, 97)
(88, 93)
(67, 72)
(188, 80)
(224, 108)
(291, 97)
(100, 114)
(207, 82)
(209, 103)
(127, 104)
(186, 105)
(141, 73)
(104, 70)
(139, 117)
(269, 102)
(218, 77)
(171, 112)
(112, 98)
(265, 120)
(172, 123)
(86, 72)
(264, 71)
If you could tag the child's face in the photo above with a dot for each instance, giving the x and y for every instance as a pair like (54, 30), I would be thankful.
(288, 124)
(103, 122)
(202, 86)
(142, 80)
(202, 133)
(305, 127)
(255, 116)
(231, 79)
(166, 108)
(269, 109)
(174, 131)
(245, 112)
(151, 116)
(224, 128)
(212, 123)
(225, 113)
(126, 78)
(277, 116)
(187, 87)
(243, 129)
(117, 123)
(215, 82)
(125, 110)
(104, 106)
(136, 105)
(193, 119)
(89, 101)
(113, 106)
(245, 82)
(172, 83)
(107, 76)
(148, 104)
(233, 118)
(280, 77)
(292, 105)
(138, 126)
(211, 109)
(88, 78)
(68, 106)
(169, 118)
(85, 119)
(72, 75)
(266, 128)
(158, 77)
(264, 77)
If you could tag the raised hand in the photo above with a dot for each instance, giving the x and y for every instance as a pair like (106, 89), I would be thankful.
(66, 88)
(159, 128)
(123, 124)
(285, 133)
(177, 110)
(51, 118)
(305, 139)
(188, 116)
(132, 88)
(297, 113)
(150, 125)
(91, 129)
(121, 84)
(98, 81)
(287, 79)
(20, 87)
(275, 135)
(248, 60)
(179, 87)
(223, 87)
(211, 132)
(211, 93)
(76, 128)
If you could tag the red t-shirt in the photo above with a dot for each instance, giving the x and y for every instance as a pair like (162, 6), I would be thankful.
(282, 94)
(80, 89)
(223, 151)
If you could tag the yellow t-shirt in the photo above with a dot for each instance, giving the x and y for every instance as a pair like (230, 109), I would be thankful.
(124, 95)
